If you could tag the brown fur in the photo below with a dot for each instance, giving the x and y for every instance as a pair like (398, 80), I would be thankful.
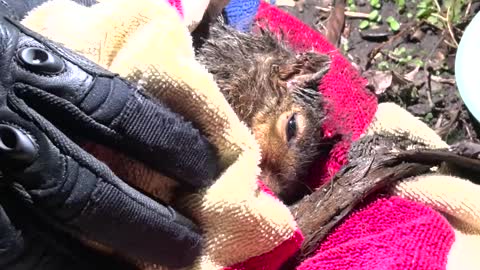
(269, 85)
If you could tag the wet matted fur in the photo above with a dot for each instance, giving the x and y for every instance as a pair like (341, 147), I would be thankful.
(273, 89)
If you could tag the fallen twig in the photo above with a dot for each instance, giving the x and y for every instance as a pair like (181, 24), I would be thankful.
(429, 91)
(336, 22)
(469, 133)
(443, 80)
(429, 75)
(350, 14)
(438, 124)
(438, 5)
(449, 43)
(449, 27)
(467, 9)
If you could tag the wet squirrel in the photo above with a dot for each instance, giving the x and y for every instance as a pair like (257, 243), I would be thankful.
(273, 90)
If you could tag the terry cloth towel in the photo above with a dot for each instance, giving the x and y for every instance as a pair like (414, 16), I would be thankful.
(376, 236)
(400, 232)
(147, 42)
(350, 107)
(425, 222)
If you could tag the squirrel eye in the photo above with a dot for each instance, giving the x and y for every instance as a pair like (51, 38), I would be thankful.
(291, 128)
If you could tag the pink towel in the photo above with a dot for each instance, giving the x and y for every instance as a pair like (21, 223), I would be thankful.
(384, 233)
(351, 106)
(387, 233)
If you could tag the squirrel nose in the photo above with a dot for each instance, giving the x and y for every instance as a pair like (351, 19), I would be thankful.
(16, 147)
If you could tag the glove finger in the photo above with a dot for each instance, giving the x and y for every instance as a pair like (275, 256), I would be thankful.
(78, 95)
(26, 244)
(68, 186)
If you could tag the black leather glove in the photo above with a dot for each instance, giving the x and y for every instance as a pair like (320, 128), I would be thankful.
(50, 100)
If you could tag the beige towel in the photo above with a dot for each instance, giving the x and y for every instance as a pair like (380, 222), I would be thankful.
(457, 199)
(124, 36)
(146, 42)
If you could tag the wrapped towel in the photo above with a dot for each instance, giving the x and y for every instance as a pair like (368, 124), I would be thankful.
(246, 227)
(434, 239)
(425, 222)
(147, 42)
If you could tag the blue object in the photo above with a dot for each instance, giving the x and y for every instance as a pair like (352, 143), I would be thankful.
(467, 67)
(241, 13)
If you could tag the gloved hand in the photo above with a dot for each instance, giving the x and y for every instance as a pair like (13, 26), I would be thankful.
(51, 100)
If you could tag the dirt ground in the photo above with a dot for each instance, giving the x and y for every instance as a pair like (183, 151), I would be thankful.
(406, 50)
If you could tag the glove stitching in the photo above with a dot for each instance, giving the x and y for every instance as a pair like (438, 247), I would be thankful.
(63, 161)
(84, 93)
(85, 117)
(101, 107)
(81, 162)
(124, 114)
(81, 95)
(97, 195)
(64, 177)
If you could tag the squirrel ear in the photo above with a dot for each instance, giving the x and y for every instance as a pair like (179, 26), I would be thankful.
(313, 62)
(305, 70)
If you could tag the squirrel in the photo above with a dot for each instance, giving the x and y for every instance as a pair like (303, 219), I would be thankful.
(273, 90)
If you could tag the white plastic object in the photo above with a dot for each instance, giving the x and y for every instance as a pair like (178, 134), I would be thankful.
(467, 67)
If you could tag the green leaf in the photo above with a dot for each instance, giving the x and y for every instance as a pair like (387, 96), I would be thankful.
(375, 3)
(364, 24)
(402, 61)
(409, 15)
(418, 62)
(400, 4)
(422, 5)
(433, 20)
(394, 24)
(372, 16)
(351, 5)
(422, 13)
(425, 8)
(455, 7)
(399, 51)
(383, 65)
(429, 116)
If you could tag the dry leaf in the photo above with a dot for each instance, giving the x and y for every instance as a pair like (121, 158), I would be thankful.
(379, 80)
(411, 75)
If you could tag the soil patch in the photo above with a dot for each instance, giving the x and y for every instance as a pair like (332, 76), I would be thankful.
(406, 49)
